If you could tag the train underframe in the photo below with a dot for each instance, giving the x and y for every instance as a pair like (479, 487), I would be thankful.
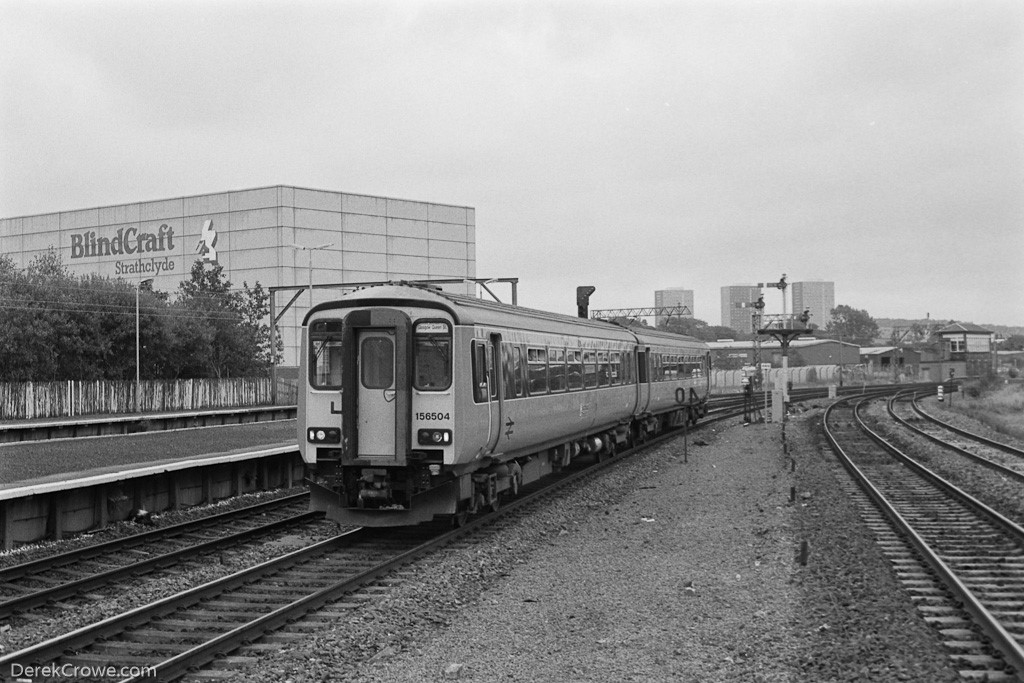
(369, 495)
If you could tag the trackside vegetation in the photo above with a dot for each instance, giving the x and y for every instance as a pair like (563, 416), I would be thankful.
(56, 326)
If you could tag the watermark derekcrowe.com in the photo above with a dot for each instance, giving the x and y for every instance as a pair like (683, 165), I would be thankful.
(75, 672)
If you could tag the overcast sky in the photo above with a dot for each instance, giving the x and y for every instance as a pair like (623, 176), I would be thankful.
(628, 145)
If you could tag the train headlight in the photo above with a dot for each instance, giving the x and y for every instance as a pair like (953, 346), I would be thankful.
(434, 437)
(323, 435)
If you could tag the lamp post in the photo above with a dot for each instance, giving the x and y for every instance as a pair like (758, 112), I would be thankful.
(311, 250)
(138, 352)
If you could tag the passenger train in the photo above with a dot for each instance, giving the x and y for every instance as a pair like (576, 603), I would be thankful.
(416, 402)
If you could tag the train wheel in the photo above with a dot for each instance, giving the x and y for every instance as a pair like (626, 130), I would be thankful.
(495, 503)
(460, 518)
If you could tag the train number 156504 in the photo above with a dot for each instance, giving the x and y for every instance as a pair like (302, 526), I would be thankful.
(426, 417)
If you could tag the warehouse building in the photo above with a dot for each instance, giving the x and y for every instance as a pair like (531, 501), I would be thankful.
(278, 236)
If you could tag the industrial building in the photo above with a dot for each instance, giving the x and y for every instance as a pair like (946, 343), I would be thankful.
(278, 236)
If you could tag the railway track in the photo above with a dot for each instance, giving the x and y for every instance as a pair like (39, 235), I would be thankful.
(168, 638)
(962, 561)
(1005, 459)
(190, 630)
(44, 581)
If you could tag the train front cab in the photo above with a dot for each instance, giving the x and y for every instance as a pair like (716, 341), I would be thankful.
(367, 372)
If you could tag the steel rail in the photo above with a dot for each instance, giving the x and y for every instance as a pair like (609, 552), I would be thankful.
(1007, 645)
(89, 552)
(1012, 450)
(87, 635)
(228, 642)
(220, 644)
(43, 596)
(980, 459)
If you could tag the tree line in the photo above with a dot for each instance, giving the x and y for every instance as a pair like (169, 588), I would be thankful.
(57, 326)
(847, 324)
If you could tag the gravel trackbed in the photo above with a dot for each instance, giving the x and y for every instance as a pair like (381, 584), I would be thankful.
(662, 569)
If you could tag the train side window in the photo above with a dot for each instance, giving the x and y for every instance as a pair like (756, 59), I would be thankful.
(479, 351)
(589, 369)
(507, 372)
(616, 372)
(574, 359)
(537, 364)
(517, 369)
(556, 369)
(628, 369)
(603, 374)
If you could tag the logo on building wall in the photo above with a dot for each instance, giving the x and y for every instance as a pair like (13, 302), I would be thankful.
(207, 247)
(128, 242)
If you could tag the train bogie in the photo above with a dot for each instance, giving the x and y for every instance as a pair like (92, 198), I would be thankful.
(415, 403)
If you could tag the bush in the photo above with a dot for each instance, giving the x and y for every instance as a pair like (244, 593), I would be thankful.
(973, 389)
(1014, 373)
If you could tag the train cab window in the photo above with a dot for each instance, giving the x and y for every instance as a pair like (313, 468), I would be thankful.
(377, 362)
(574, 362)
(432, 356)
(556, 369)
(537, 363)
(589, 369)
(325, 354)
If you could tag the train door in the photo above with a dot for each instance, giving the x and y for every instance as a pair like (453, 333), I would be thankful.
(495, 378)
(377, 392)
(643, 379)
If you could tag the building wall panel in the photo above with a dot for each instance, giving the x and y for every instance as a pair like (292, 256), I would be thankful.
(259, 198)
(443, 213)
(356, 222)
(407, 246)
(73, 220)
(164, 210)
(446, 231)
(319, 200)
(442, 249)
(206, 204)
(370, 206)
(401, 227)
(354, 241)
(407, 264)
(318, 220)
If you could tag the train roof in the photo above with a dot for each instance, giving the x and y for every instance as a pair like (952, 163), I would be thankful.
(469, 310)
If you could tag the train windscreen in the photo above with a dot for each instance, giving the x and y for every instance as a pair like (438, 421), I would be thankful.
(432, 356)
(325, 354)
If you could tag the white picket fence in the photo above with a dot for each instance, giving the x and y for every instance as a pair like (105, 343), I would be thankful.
(36, 400)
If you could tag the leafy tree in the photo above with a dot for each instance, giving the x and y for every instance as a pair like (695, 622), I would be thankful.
(851, 325)
(57, 326)
(1015, 342)
(217, 331)
(696, 327)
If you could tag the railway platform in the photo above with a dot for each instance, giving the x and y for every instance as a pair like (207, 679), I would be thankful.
(131, 423)
(51, 488)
